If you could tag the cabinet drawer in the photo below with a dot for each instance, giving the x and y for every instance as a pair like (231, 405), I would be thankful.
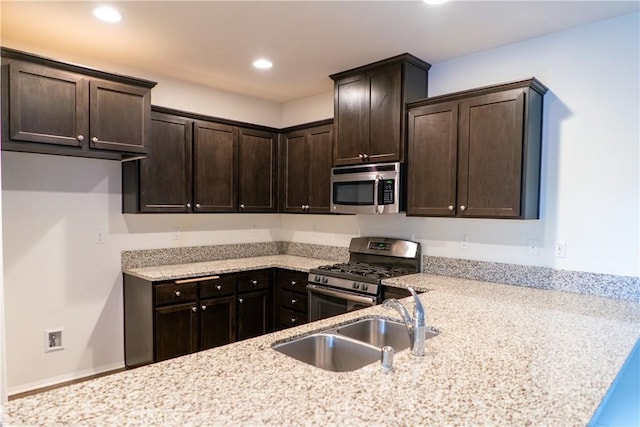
(223, 285)
(293, 280)
(256, 280)
(169, 293)
(294, 301)
(288, 318)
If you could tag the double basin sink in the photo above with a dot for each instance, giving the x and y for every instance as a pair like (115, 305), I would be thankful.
(351, 346)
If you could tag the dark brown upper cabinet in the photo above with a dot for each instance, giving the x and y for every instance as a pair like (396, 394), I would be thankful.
(257, 171)
(56, 108)
(306, 168)
(202, 164)
(215, 171)
(370, 109)
(477, 153)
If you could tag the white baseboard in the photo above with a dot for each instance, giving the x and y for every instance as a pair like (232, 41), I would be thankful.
(63, 378)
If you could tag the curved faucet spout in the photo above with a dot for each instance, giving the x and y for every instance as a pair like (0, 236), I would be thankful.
(416, 325)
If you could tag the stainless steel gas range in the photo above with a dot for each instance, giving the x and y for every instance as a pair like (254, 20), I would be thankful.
(339, 288)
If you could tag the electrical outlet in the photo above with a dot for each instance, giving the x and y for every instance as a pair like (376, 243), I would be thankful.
(533, 247)
(99, 237)
(53, 340)
(464, 241)
(176, 233)
(560, 249)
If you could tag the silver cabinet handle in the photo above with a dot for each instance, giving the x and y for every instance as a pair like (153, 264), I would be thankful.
(218, 287)
(293, 320)
(293, 283)
(241, 205)
(94, 139)
(177, 293)
(189, 205)
(361, 156)
(365, 156)
(254, 282)
(80, 137)
(302, 207)
(204, 307)
(240, 300)
(293, 301)
(451, 208)
(194, 309)
(197, 205)
(462, 208)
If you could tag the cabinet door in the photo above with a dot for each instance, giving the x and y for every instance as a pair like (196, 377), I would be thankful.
(119, 116)
(432, 160)
(351, 100)
(257, 177)
(490, 156)
(47, 105)
(320, 143)
(215, 172)
(217, 322)
(385, 114)
(295, 175)
(165, 176)
(176, 331)
(254, 314)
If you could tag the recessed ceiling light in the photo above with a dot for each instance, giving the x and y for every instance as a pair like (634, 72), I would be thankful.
(435, 2)
(263, 64)
(107, 14)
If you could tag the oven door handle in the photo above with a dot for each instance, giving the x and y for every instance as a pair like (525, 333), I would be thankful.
(343, 295)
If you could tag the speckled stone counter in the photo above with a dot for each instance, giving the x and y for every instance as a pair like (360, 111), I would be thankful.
(195, 269)
(505, 355)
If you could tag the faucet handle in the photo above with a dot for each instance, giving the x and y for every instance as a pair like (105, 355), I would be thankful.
(418, 309)
(387, 358)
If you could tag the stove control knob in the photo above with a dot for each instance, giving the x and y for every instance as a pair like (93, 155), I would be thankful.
(325, 280)
(365, 287)
(317, 278)
(356, 285)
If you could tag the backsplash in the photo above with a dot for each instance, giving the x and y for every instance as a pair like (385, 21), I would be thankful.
(606, 285)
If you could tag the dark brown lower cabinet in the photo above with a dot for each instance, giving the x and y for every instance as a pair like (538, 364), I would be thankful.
(176, 331)
(168, 319)
(254, 314)
(217, 322)
(291, 291)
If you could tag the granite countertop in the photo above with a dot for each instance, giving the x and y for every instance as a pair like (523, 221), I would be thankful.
(195, 269)
(505, 355)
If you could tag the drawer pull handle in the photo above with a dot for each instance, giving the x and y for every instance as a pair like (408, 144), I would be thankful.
(204, 307)
(293, 283)
(80, 137)
(197, 279)
(240, 300)
(194, 309)
(293, 320)
(177, 293)
(293, 301)
(254, 282)
(218, 287)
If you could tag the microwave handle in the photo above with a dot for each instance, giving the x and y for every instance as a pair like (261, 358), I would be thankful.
(378, 209)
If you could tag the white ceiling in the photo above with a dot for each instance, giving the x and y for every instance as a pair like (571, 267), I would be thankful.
(214, 42)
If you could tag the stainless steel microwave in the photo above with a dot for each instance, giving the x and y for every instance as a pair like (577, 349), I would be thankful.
(366, 189)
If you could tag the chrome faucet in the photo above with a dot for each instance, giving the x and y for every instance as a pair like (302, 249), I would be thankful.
(416, 325)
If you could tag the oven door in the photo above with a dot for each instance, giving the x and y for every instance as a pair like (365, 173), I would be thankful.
(327, 302)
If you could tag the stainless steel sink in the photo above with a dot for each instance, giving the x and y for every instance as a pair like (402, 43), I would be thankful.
(349, 347)
(380, 332)
(330, 352)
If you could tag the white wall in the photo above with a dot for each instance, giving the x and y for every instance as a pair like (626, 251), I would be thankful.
(55, 275)
(590, 179)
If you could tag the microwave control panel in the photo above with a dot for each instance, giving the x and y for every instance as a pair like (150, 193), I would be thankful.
(387, 192)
